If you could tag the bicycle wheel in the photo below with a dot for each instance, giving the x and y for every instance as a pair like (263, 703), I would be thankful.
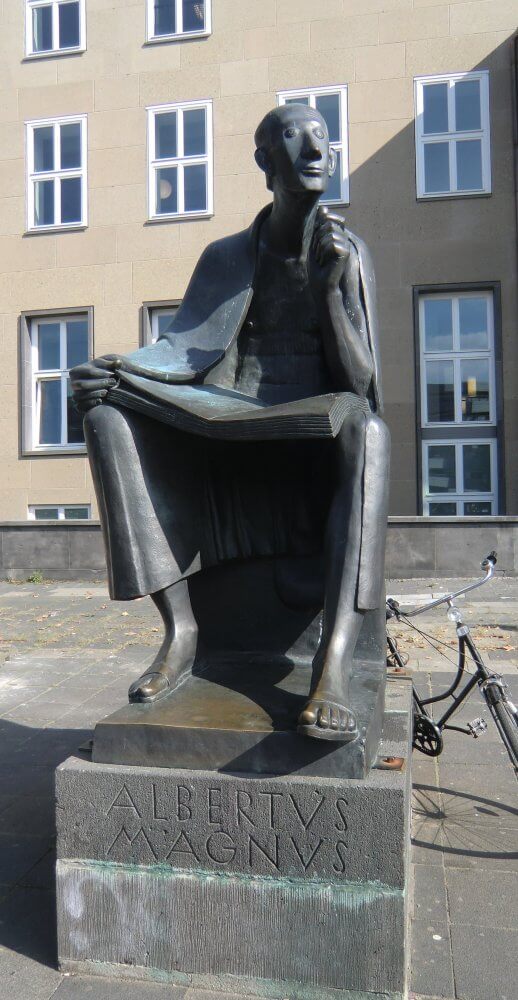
(507, 725)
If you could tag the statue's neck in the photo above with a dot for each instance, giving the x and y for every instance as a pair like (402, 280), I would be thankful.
(289, 227)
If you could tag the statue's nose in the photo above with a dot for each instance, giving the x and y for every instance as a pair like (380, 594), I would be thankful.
(310, 150)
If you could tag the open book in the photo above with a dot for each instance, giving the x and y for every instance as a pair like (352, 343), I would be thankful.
(216, 412)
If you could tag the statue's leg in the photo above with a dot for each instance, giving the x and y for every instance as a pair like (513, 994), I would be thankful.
(175, 657)
(327, 714)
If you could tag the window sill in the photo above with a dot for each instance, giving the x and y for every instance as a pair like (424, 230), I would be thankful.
(44, 230)
(459, 195)
(188, 217)
(184, 37)
(55, 450)
(53, 53)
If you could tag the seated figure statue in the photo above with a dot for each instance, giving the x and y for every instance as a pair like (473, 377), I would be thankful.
(280, 313)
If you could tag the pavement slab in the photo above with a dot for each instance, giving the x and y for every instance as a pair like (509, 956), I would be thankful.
(67, 657)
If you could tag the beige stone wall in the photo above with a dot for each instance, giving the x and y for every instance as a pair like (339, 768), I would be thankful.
(257, 48)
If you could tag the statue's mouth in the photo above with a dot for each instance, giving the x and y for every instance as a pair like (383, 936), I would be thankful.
(313, 172)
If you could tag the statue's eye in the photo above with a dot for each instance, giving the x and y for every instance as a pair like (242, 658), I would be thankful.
(290, 133)
(319, 133)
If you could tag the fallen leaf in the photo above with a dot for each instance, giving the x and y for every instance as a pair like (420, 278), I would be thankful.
(124, 613)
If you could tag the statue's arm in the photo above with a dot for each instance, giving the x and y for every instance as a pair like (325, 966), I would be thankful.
(334, 270)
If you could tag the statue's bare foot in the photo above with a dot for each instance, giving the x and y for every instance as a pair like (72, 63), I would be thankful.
(171, 666)
(326, 716)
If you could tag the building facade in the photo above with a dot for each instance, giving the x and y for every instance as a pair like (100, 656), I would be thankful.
(126, 145)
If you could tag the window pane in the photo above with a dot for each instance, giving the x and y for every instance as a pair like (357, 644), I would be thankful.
(474, 374)
(46, 514)
(44, 203)
(439, 391)
(164, 322)
(165, 136)
(442, 509)
(48, 346)
(42, 29)
(70, 140)
(469, 165)
(436, 167)
(477, 508)
(329, 107)
(68, 25)
(74, 420)
(50, 412)
(473, 324)
(438, 327)
(298, 100)
(167, 190)
(71, 199)
(76, 513)
(195, 188)
(77, 342)
(44, 148)
(194, 132)
(467, 105)
(441, 468)
(477, 468)
(165, 17)
(435, 108)
(193, 15)
(334, 188)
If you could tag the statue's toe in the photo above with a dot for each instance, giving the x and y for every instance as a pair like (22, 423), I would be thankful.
(149, 687)
(327, 720)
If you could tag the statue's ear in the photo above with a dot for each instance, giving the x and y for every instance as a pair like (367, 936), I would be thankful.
(262, 160)
(333, 161)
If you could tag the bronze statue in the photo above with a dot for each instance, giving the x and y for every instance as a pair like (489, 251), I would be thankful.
(280, 321)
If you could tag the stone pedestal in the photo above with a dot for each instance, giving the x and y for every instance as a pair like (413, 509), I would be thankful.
(295, 885)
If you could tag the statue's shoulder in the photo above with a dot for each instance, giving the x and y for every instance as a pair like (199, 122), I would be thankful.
(235, 250)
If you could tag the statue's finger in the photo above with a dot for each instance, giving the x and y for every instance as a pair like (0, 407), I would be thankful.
(93, 383)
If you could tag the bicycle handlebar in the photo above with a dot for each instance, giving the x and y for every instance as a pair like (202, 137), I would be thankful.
(488, 564)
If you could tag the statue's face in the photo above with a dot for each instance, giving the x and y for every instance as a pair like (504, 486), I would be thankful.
(299, 154)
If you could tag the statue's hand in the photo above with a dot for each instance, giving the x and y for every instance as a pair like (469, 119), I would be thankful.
(329, 252)
(91, 382)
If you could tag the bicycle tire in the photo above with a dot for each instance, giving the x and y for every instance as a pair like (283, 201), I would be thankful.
(507, 726)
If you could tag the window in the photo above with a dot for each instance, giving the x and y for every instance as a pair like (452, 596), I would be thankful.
(54, 26)
(72, 512)
(180, 160)
(156, 320)
(458, 403)
(56, 166)
(331, 102)
(51, 345)
(452, 135)
(169, 19)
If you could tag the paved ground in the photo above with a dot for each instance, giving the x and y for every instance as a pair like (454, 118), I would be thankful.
(67, 655)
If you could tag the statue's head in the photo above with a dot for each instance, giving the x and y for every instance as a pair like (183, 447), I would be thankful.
(292, 148)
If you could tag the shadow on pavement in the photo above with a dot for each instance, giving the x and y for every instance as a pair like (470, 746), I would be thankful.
(464, 824)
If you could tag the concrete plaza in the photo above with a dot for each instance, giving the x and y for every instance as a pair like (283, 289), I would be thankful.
(67, 656)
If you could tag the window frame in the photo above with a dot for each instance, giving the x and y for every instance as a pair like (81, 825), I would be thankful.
(453, 137)
(179, 161)
(461, 496)
(33, 507)
(148, 311)
(30, 53)
(343, 95)
(29, 377)
(31, 177)
(152, 39)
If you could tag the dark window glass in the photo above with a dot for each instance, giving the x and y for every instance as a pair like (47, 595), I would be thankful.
(165, 135)
(334, 188)
(442, 509)
(441, 468)
(71, 199)
(48, 346)
(477, 508)
(477, 467)
(70, 139)
(50, 412)
(77, 342)
(467, 105)
(74, 420)
(438, 325)
(473, 324)
(474, 376)
(298, 100)
(469, 164)
(165, 17)
(435, 108)
(167, 190)
(44, 148)
(44, 203)
(439, 391)
(165, 321)
(194, 132)
(42, 29)
(195, 188)
(68, 16)
(436, 167)
(193, 15)
(46, 514)
(76, 513)
(329, 107)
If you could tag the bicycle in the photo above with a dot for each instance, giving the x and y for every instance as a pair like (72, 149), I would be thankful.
(428, 732)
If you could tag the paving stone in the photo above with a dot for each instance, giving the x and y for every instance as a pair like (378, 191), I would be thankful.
(28, 924)
(466, 891)
(22, 978)
(430, 902)
(486, 963)
(18, 855)
(97, 988)
(432, 966)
